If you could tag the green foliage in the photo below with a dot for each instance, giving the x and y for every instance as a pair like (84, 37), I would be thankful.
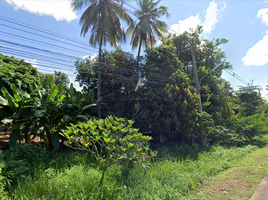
(239, 130)
(31, 154)
(56, 79)
(12, 70)
(178, 171)
(250, 126)
(204, 124)
(109, 140)
(247, 101)
(142, 32)
(102, 18)
(10, 169)
(221, 135)
(208, 56)
(170, 110)
(117, 85)
(44, 112)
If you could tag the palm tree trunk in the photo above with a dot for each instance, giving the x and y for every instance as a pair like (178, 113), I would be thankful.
(139, 51)
(99, 76)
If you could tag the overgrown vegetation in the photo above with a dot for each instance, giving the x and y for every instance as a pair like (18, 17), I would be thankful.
(156, 90)
(71, 174)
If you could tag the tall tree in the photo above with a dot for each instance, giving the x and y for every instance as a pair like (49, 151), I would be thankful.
(18, 72)
(102, 18)
(56, 79)
(144, 29)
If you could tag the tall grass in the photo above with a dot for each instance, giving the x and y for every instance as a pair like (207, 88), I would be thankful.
(171, 175)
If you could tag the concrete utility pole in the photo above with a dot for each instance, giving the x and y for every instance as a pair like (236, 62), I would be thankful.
(196, 78)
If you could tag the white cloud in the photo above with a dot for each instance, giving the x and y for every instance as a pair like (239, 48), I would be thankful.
(32, 62)
(258, 54)
(59, 9)
(186, 25)
(76, 86)
(264, 93)
(263, 15)
(91, 57)
(211, 18)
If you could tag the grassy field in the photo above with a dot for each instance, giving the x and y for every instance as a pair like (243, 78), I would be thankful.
(176, 173)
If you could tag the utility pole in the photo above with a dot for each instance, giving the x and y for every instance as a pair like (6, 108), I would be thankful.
(196, 78)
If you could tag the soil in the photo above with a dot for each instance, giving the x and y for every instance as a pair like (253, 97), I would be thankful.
(4, 137)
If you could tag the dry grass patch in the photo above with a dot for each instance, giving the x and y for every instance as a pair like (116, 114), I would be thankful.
(239, 182)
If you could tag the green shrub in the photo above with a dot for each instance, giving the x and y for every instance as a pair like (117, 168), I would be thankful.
(29, 153)
(23, 158)
(220, 135)
(109, 140)
(251, 126)
(204, 124)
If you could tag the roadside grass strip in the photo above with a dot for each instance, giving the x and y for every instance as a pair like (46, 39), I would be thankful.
(170, 177)
(238, 182)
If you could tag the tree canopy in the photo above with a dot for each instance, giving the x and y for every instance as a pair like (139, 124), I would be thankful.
(15, 71)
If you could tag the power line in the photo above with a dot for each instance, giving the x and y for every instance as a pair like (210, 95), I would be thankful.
(36, 41)
(43, 31)
(46, 38)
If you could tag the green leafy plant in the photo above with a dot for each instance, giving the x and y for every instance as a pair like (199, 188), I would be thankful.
(110, 141)
(204, 124)
(10, 169)
(43, 112)
(32, 154)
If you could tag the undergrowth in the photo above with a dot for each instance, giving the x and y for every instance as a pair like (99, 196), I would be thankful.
(172, 174)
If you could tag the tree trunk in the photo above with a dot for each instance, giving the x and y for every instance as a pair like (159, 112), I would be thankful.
(102, 177)
(99, 76)
(139, 52)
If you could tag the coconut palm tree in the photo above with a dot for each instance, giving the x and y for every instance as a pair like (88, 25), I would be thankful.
(144, 29)
(102, 19)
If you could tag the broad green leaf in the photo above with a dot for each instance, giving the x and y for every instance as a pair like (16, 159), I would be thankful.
(3, 101)
(39, 113)
(61, 99)
(66, 118)
(88, 106)
(9, 98)
(130, 145)
(106, 140)
(36, 90)
(82, 117)
(19, 83)
(54, 94)
(22, 92)
(112, 141)
(6, 120)
(49, 83)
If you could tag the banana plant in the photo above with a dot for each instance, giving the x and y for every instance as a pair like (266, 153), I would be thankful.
(44, 112)
(17, 110)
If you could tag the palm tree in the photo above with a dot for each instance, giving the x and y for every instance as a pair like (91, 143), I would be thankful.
(102, 18)
(144, 29)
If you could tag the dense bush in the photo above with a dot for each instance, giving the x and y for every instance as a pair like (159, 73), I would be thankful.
(239, 130)
(250, 126)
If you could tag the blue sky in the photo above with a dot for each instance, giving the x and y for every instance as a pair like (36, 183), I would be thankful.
(243, 23)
